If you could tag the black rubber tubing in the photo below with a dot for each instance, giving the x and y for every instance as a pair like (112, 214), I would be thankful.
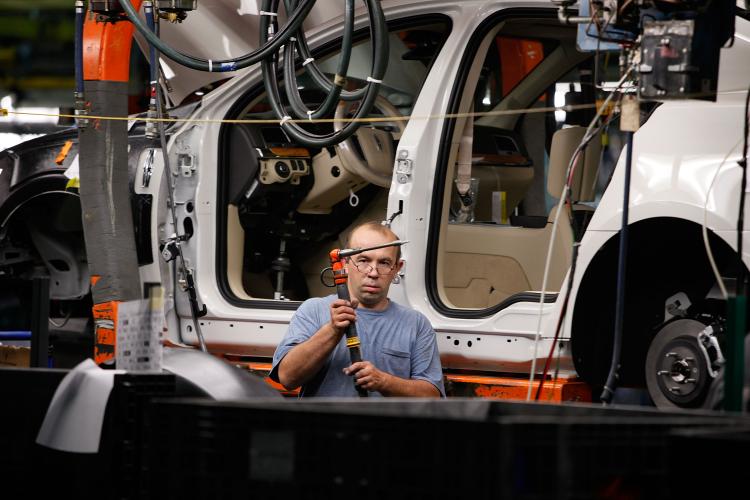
(379, 35)
(317, 75)
(611, 385)
(296, 104)
(292, 25)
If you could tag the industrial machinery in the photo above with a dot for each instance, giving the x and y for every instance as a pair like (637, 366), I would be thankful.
(489, 135)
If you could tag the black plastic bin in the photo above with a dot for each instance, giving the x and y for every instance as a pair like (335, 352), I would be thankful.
(411, 449)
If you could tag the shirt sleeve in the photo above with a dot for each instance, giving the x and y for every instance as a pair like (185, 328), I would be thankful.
(426, 360)
(305, 322)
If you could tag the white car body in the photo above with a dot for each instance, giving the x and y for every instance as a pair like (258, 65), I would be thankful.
(684, 175)
(676, 156)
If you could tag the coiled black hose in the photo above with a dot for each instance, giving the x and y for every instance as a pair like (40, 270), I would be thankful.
(296, 105)
(379, 36)
(317, 75)
(292, 25)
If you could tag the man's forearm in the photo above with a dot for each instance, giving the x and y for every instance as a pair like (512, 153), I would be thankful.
(304, 360)
(397, 386)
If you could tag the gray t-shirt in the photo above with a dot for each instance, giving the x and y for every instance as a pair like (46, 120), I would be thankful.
(397, 340)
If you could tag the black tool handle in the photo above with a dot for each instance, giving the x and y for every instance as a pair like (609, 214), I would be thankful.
(352, 339)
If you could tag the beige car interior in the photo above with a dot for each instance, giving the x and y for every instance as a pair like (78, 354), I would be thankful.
(347, 183)
(483, 263)
(479, 264)
(246, 285)
(328, 190)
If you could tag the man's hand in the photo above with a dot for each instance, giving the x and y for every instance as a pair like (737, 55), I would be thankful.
(366, 375)
(369, 377)
(342, 314)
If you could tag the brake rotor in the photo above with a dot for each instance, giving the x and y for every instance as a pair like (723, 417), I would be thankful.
(677, 372)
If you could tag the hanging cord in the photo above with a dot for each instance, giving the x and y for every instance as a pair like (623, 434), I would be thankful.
(298, 107)
(704, 226)
(372, 119)
(590, 132)
(740, 290)
(610, 385)
(293, 24)
(188, 275)
(573, 263)
(379, 35)
(558, 327)
(64, 322)
(317, 76)
(78, 95)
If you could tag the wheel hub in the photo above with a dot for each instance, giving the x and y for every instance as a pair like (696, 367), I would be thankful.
(677, 372)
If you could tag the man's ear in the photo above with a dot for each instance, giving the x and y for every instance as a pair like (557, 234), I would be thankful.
(400, 265)
(396, 276)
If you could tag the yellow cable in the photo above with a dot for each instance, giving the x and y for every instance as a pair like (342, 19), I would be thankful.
(508, 112)
(5, 112)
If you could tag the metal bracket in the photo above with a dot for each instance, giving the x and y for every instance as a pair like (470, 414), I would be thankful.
(404, 167)
(707, 340)
(676, 306)
(171, 250)
(147, 169)
(186, 164)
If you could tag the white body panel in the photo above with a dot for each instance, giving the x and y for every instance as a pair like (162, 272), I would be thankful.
(676, 155)
(685, 148)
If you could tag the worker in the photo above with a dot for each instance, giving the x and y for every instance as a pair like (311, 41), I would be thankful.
(398, 345)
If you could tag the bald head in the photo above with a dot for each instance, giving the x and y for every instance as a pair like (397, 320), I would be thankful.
(376, 227)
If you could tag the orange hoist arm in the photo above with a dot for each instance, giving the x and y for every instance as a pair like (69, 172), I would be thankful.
(106, 47)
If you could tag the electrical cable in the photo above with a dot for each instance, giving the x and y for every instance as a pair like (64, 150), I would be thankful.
(372, 119)
(294, 23)
(64, 322)
(609, 386)
(379, 35)
(170, 189)
(558, 327)
(574, 260)
(704, 226)
(588, 135)
(740, 288)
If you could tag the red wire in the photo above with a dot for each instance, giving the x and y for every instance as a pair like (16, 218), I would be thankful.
(552, 349)
(565, 303)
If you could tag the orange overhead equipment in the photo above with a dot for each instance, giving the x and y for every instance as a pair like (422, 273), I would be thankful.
(106, 47)
(518, 57)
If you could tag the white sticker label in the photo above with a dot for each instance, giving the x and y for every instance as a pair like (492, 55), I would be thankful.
(139, 327)
(72, 171)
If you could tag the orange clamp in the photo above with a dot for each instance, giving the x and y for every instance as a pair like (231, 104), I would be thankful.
(63, 152)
